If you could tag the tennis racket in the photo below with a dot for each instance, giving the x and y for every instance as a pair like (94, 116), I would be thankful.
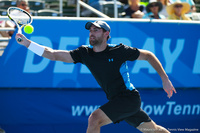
(20, 17)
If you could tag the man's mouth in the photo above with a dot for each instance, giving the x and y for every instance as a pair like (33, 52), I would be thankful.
(92, 36)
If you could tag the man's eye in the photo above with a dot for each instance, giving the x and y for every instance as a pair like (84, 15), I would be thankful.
(94, 30)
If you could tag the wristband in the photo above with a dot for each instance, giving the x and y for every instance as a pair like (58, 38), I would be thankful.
(36, 48)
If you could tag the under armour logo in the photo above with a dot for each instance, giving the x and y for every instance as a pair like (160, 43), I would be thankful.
(110, 60)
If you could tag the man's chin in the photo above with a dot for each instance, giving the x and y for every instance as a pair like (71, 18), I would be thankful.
(92, 43)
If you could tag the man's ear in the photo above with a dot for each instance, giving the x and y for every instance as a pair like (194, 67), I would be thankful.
(107, 33)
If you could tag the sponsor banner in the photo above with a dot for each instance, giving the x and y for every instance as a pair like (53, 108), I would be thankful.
(175, 44)
(53, 110)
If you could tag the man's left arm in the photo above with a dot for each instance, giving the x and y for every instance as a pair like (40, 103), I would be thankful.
(155, 63)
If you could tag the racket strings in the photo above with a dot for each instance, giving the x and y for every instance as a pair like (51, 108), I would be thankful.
(20, 17)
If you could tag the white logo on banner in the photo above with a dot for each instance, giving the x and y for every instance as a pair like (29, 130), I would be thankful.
(170, 108)
(170, 57)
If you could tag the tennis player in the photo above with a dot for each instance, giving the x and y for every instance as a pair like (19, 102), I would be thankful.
(108, 65)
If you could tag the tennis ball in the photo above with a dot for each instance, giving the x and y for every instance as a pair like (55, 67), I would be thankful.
(28, 29)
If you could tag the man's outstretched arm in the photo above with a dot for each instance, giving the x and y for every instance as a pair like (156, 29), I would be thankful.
(58, 55)
(155, 63)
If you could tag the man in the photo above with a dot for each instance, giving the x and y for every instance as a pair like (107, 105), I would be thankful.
(153, 9)
(108, 65)
(23, 4)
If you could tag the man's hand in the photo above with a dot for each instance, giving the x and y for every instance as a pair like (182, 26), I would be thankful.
(137, 14)
(24, 41)
(155, 63)
(169, 88)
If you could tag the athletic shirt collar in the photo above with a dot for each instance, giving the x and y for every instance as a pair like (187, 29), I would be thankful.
(105, 50)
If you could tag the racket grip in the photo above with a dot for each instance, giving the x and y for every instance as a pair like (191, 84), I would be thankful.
(19, 39)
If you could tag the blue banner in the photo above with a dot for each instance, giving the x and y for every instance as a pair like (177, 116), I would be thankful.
(67, 111)
(176, 44)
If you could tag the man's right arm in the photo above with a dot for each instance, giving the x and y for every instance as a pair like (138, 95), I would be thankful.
(55, 55)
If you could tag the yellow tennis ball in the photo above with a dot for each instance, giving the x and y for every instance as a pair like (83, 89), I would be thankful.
(28, 29)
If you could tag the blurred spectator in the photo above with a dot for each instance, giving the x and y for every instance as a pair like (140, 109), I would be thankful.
(23, 4)
(165, 3)
(153, 9)
(7, 24)
(177, 10)
(95, 4)
(124, 1)
(135, 10)
(100, 6)
(2, 131)
(190, 2)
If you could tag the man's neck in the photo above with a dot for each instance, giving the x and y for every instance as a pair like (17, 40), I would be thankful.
(100, 48)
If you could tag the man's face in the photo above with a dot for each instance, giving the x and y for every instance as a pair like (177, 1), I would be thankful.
(23, 5)
(96, 35)
(178, 8)
(154, 8)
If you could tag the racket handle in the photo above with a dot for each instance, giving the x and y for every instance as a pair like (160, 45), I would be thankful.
(19, 39)
(19, 31)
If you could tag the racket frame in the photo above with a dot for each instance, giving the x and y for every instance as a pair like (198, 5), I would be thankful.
(19, 26)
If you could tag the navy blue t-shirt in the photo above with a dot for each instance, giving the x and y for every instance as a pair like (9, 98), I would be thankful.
(109, 67)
